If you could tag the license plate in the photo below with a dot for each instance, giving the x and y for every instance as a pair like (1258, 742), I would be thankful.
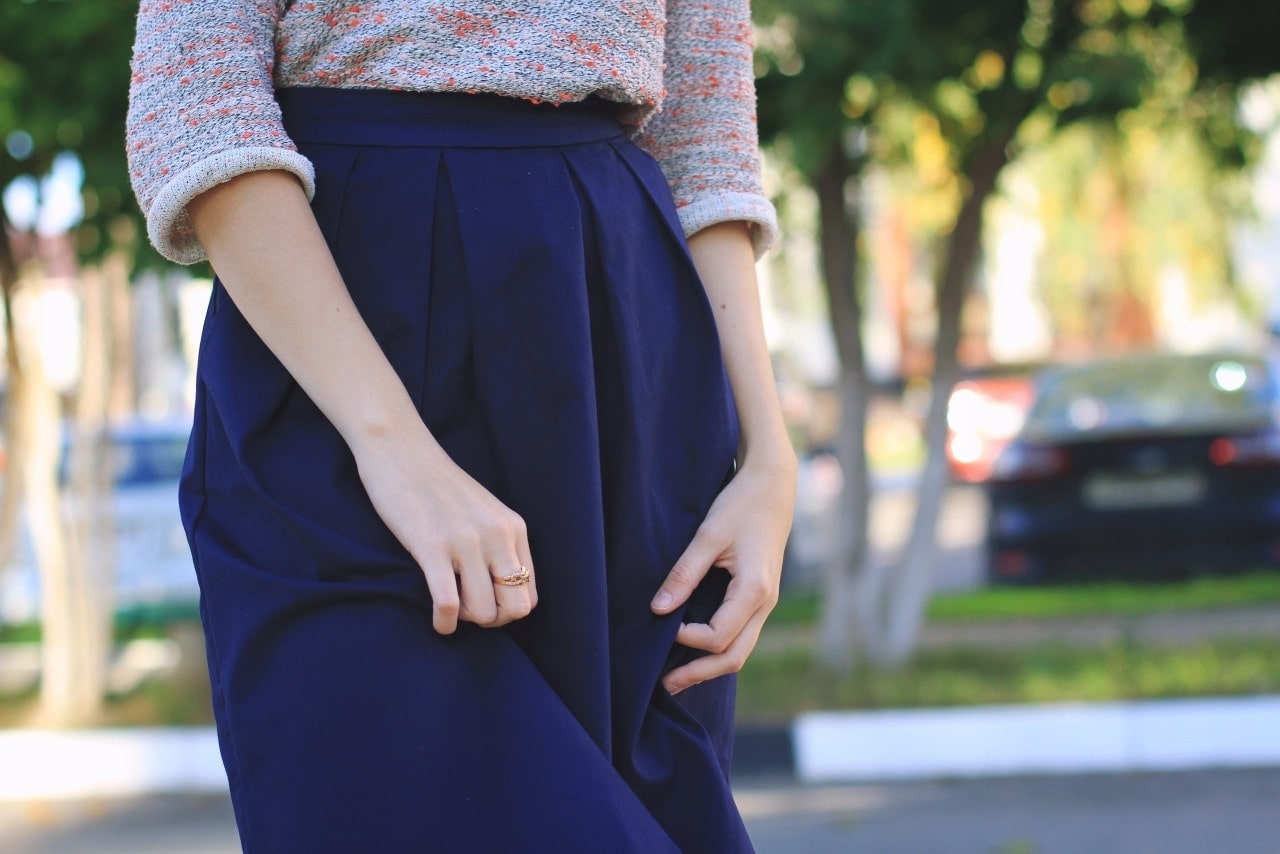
(1109, 492)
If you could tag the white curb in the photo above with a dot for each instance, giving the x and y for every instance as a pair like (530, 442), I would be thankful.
(1166, 735)
(37, 764)
(1163, 735)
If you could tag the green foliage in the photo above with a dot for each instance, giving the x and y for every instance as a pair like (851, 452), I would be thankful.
(805, 60)
(1000, 69)
(1233, 40)
(1128, 211)
(829, 65)
(64, 78)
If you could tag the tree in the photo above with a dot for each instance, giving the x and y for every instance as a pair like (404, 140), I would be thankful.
(996, 77)
(803, 106)
(986, 73)
(50, 104)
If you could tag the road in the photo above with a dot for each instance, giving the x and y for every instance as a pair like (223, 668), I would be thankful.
(1185, 813)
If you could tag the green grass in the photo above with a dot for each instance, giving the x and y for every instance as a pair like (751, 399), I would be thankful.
(179, 699)
(141, 621)
(20, 633)
(776, 685)
(1197, 594)
(795, 609)
(1084, 600)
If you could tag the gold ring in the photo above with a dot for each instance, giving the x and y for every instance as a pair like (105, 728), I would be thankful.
(515, 579)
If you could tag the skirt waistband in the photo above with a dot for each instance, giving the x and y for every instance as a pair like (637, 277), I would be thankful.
(441, 119)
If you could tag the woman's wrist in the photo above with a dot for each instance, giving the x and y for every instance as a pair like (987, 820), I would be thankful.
(767, 448)
(390, 433)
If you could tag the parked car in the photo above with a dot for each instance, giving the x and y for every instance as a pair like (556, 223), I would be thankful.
(1160, 465)
(152, 561)
(986, 410)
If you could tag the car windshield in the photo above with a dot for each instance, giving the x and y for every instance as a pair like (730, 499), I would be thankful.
(1174, 394)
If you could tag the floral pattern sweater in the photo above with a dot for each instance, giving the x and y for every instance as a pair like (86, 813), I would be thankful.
(202, 109)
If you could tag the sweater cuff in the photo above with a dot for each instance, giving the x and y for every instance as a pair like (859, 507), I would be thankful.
(757, 211)
(169, 224)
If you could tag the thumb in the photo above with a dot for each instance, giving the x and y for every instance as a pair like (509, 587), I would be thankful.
(689, 570)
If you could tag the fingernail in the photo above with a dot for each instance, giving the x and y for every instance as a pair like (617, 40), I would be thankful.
(663, 600)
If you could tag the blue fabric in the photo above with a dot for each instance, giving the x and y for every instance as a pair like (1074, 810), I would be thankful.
(523, 268)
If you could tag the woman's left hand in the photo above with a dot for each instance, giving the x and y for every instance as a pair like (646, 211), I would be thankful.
(744, 532)
(746, 528)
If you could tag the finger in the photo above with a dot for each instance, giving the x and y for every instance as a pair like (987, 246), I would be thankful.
(478, 603)
(510, 557)
(725, 626)
(712, 666)
(689, 570)
(513, 599)
(742, 600)
(526, 559)
(446, 603)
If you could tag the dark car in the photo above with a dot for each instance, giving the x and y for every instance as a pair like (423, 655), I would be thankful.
(1155, 466)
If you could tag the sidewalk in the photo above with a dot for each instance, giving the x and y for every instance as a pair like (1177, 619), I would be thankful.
(913, 744)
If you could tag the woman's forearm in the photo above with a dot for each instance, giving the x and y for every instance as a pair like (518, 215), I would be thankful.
(260, 234)
(745, 530)
(725, 262)
(263, 240)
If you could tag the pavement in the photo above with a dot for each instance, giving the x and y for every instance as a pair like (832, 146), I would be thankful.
(1202, 812)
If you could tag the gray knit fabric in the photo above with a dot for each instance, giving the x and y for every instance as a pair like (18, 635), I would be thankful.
(201, 105)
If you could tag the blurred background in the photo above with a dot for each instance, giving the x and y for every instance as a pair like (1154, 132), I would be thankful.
(1025, 317)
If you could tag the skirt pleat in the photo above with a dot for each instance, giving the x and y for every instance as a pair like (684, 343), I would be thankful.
(523, 270)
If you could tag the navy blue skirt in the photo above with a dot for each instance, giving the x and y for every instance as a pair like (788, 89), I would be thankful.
(523, 268)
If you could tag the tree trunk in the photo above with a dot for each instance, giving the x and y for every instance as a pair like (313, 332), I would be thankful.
(11, 499)
(68, 694)
(122, 397)
(838, 235)
(92, 531)
(914, 578)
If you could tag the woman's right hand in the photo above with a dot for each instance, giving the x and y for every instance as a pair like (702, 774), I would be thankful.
(262, 237)
(464, 539)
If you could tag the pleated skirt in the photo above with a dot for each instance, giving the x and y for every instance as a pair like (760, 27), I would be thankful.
(524, 271)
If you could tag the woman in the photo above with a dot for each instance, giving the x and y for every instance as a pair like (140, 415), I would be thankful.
(488, 486)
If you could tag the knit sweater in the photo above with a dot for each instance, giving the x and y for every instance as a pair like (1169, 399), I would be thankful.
(202, 109)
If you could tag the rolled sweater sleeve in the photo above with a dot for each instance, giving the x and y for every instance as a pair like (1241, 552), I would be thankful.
(705, 136)
(202, 110)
